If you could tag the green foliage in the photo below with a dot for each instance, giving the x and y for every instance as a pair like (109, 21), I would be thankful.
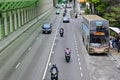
(113, 15)
(87, 11)
(107, 9)
(93, 1)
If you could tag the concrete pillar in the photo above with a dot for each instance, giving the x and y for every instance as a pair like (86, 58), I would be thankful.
(10, 21)
(25, 16)
(22, 17)
(19, 19)
(35, 11)
(30, 13)
(6, 23)
(1, 28)
(15, 19)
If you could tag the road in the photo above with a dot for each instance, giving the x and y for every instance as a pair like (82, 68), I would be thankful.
(76, 69)
(32, 64)
(48, 49)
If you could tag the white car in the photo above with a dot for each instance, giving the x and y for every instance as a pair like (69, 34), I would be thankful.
(66, 19)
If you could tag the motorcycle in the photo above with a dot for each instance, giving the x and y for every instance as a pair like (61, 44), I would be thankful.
(54, 74)
(61, 34)
(67, 57)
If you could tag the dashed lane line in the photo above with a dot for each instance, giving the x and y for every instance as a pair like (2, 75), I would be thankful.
(77, 52)
(79, 63)
(81, 74)
(78, 55)
(80, 68)
(29, 48)
(18, 65)
(78, 59)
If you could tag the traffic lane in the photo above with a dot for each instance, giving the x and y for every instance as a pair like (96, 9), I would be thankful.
(33, 63)
(67, 71)
(80, 49)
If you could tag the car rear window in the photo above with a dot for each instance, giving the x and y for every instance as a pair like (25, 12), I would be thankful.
(46, 26)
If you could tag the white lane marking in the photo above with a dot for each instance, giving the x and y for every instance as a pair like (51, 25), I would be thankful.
(76, 49)
(79, 63)
(76, 46)
(43, 78)
(78, 59)
(80, 68)
(29, 48)
(81, 74)
(77, 52)
(17, 65)
(78, 55)
(50, 64)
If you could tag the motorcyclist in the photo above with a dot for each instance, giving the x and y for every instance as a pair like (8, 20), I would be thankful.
(54, 67)
(61, 31)
(67, 51)
(67, 54)
(54, 72)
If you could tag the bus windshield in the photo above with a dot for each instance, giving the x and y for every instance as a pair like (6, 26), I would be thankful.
(97, 42)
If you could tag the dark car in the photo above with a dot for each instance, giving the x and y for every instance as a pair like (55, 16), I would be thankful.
(66, 19)
(47, 28)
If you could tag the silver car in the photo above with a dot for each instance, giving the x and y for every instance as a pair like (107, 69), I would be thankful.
(66, 19)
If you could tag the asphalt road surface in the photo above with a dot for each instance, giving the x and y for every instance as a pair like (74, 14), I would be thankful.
(48, 49)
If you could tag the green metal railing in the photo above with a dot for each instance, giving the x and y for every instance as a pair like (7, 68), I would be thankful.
(6, 5)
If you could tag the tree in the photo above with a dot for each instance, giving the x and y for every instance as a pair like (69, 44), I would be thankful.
(92, 5)
(113, 15)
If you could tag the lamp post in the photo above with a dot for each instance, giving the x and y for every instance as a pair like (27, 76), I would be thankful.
(74, 5)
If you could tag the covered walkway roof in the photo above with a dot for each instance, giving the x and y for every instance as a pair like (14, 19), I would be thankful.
(6, 5)
(115, 29)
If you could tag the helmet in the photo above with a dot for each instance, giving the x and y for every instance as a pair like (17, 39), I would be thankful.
(67, 48)
(54, 65)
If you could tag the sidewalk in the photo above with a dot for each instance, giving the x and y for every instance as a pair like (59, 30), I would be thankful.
(116, 56)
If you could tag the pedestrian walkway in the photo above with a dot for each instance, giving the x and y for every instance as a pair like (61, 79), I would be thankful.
(116, 56)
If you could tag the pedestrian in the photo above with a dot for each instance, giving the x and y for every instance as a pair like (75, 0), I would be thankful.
(118, 47)
(110, 43)
(113, 42)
